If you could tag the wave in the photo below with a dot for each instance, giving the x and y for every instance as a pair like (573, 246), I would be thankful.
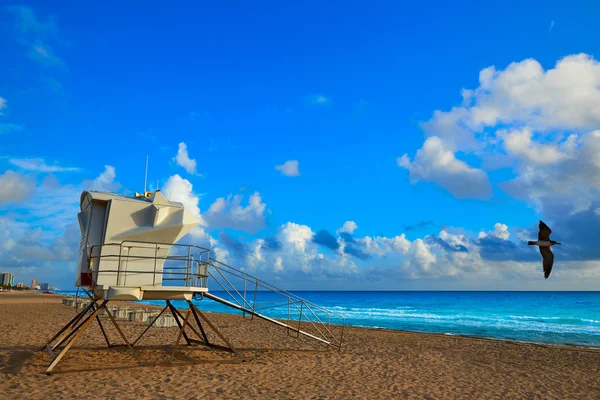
(542, 324)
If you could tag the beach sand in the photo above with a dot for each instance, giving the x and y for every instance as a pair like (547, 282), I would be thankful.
(374, 364)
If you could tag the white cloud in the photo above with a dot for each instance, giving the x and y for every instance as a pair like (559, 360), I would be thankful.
(229, 213)
(39, 165)
(348, 227)
(15, 187)
(297, 236)
(569, 185)
(500, 231)
(289, 168)
(420, 258)
(434, 162)
(105, 181)
(538, 122)
(381, 245)
(183, 160)
(565, 97)
(278, 266)
(40, 236)
(519, 143)
(181, 190)
(2, 104)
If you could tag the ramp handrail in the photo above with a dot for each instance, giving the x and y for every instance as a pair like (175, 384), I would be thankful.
(321, 321)
(242, 290)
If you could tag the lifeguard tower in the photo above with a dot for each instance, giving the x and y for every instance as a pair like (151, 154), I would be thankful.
(129, 251)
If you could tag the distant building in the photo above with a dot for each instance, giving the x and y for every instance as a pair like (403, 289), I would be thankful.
(44, 286)
(6, 278)
(21, 285)
(34, 283)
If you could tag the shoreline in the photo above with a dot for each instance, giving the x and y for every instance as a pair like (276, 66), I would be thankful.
(571, 346)
(374, 362)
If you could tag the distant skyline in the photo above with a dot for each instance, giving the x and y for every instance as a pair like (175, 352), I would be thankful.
(363, 146)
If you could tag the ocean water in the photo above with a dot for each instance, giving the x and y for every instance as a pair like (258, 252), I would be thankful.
(571, 318)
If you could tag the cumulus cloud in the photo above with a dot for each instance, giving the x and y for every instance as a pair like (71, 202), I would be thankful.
(181, 190)
(500, 231)
(348, 227)
(568, 185)
(289, 168)
(183, 159)
(541, 123)
(519, 143)
(434, 162)
(2, 104)
(39, 237)
(230, 213)
(420, 258)
(381, 245)
(15, 187)
(105, 181)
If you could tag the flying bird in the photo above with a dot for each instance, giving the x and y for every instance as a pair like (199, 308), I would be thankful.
(544, 244)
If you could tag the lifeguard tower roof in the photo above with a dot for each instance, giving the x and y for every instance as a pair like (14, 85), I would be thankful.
(128, 248)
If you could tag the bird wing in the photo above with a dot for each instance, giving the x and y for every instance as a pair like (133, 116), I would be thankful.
(548, 260)
(544, 233)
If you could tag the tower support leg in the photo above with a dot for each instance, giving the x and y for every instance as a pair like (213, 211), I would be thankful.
(78, 332)
(229, 347)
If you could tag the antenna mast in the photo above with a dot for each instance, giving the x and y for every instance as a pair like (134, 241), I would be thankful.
(146, 176)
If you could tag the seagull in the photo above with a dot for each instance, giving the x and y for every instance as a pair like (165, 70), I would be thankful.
(545, 243)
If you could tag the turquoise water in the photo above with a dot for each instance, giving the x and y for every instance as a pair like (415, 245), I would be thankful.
(541, 317)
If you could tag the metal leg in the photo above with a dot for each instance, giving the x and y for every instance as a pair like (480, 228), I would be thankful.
(67, 326)
(174, 312)
(82, 329)
(189, 325)
(73, 331)
(129, 346)
(181, 332)
(98, 317)
(198, 323)
(214, 328)
(149, 326)
(103, 331)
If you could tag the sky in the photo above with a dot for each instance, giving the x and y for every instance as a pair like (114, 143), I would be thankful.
(325, 145)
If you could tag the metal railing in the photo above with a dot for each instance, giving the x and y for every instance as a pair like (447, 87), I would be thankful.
(191, 266)
(257, 298)
(180, 264)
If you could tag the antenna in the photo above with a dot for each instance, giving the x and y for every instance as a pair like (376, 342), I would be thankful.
(146, 176)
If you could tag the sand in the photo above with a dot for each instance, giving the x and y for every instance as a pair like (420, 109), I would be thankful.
(374, 364)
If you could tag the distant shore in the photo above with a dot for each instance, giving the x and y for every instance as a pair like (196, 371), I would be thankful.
(374, 363)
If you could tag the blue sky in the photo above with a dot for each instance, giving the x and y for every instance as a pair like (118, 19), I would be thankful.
(345, 90)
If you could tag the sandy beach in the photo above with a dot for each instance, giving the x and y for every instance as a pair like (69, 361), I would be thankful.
(374, 364)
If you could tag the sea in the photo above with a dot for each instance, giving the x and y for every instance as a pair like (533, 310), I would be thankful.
(557, 318)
